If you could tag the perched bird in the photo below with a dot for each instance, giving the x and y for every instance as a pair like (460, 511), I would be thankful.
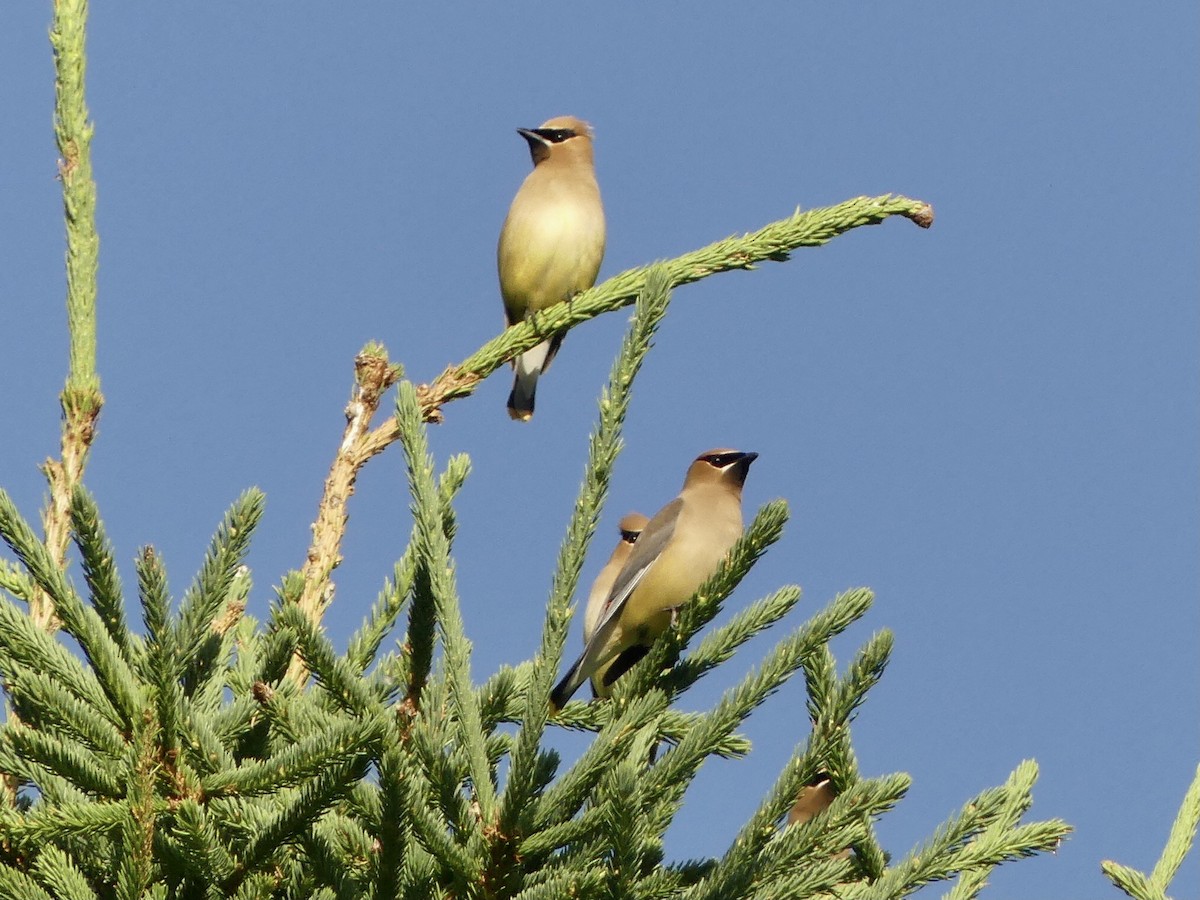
(813, 798)
(677, 550)
(552, 241)
(630, 527)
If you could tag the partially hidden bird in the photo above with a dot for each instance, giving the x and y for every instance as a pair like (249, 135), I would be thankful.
(552, 241)
(630, 527)
(813, 798)
(680, 547)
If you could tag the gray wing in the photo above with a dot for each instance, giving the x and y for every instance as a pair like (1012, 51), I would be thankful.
(650, 543)
(646, 550)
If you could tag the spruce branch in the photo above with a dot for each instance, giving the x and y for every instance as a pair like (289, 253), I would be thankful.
(343, 849)
(16, 582)
(338, 746)
(137, 864)
(341, 683)
(43, 704)
(59, 822)
(567, 795)
(1015, 803)
(719, 645)
(454, 861)
(410, 669)
(632, 849)
(15, 883)
(669, 777)
(64, 757)
(968, 841)
(56, 871)
(81, 399)
(433, 555)
(200, 845)
(23, 643)
(772, 242)
(155, 598)
(604, 446)
(256, 887)
(80, 619)
(558, 885)
(200, 630)
(865, 798)
(196, 750)
(1181, 838)
(374, 374)
(1134, 883)
(864, 673)
(363, 647)
(100, 571)
(832, 702)
(803, 859)
(1183, 834)
(389, 829)
(294, 811)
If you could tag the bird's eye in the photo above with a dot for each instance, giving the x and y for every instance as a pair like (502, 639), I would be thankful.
(721, 460)
(556, 135)
(630, 536)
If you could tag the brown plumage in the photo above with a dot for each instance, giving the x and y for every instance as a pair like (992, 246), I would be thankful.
(813, 798)
(630, 528)
(676, 552)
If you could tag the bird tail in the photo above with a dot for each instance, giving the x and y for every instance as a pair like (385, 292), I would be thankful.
(626, 660)
(520, 398)
(529, 365)
(565, 689)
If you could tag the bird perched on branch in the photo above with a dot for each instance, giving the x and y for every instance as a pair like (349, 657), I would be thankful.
(630, 528)
(552, 241)
(676, 552)
(813, 798)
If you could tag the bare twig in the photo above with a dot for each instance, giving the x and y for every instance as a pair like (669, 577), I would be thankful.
(373, 375)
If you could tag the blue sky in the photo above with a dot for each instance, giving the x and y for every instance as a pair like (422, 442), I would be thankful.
(994, 423)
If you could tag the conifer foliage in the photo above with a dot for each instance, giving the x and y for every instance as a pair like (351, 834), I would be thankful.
(179, 759)
(176, 747)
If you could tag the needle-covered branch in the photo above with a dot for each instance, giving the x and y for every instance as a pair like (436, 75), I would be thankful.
(1179, 843)
(81, 398)
(604, 447)
(773, 242)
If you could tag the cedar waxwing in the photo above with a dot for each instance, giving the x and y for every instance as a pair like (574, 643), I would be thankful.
(676, 552)
(813, 798)
(552, 241)
(630, 527)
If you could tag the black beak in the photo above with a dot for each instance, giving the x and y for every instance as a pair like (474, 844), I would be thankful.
(742, 467)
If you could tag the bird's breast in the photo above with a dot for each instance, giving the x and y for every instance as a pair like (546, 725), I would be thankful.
(697, 548)
(551, 246)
